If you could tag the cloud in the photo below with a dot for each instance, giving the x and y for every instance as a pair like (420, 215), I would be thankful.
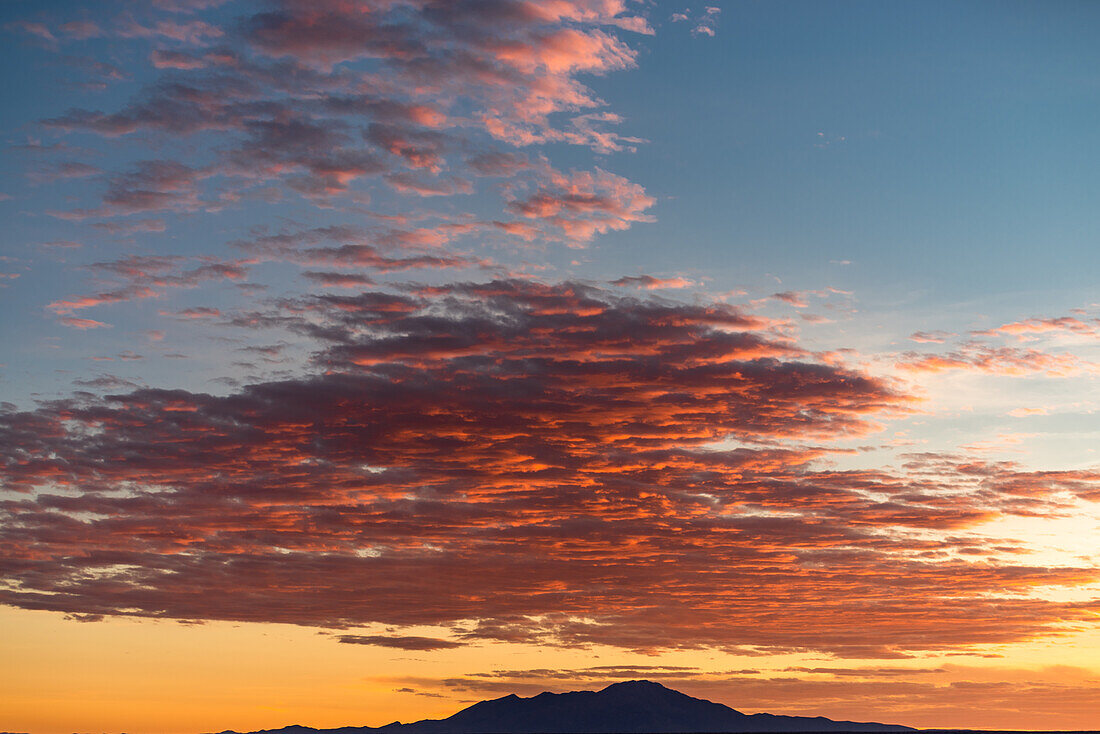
(794, 298)
(513, 460)
(200, 312)
(99, 299)
(703, 23)
(187, 6)
(289, 113)
(931, 337)
(150, 186)
(162, 59)
(986, 351)
(1036, 327)
(338, 280)
(648, 282)
(327, 34)
(1022, 412)
(400, 642)
(146, 276)
(516, 460)
(498, 163)
(412, 183)
(131, 227)
(958, 695)
(350, 247)
(172, 107)
(63, 170)
(101, 71)
(81, 29)
(583, 204)
(319, 152)
(419, 149)
(1007, 361)
(33, 28)
(78, 323)
(191, 32)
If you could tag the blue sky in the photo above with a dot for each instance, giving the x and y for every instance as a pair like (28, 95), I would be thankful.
(946, 151)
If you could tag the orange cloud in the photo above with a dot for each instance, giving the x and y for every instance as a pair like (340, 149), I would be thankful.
(648, 282)
(1036, 326)
(525, 461)
(1007, 361)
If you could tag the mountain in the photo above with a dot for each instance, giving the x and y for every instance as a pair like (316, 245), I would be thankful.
(632, 707)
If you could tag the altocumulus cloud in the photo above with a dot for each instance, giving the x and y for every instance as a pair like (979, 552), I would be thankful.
(516, 460)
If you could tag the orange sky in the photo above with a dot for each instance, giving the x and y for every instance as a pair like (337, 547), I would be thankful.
(141, 675)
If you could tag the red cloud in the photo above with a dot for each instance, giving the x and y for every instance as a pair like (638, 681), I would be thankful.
(525, 461)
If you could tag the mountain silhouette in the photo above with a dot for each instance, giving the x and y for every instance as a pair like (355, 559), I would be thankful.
(632, 707)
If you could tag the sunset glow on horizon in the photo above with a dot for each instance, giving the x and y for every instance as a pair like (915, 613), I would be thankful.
(365, 359)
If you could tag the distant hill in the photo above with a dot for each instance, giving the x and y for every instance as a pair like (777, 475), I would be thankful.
(632, 707)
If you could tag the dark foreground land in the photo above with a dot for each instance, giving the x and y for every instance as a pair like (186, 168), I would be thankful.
(297, 729)
(633, 707)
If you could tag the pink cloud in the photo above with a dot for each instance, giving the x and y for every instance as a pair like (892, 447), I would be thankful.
(142, 277)
(794, 298)
(78, 323)
(412, 183)
(175, 60)
(194, 32)
(33, 28)
(648, 282)
(583, 204)
(931, 337)
(292, 116)
(338, 280)
(81, 29)
(566, 51)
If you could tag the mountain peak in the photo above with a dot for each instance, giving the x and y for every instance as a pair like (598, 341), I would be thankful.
(636, 685)
(626, 707)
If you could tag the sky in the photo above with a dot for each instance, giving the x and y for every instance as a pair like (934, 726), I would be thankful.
(363, 359)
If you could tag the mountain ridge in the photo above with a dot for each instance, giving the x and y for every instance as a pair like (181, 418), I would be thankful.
(628, 707)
